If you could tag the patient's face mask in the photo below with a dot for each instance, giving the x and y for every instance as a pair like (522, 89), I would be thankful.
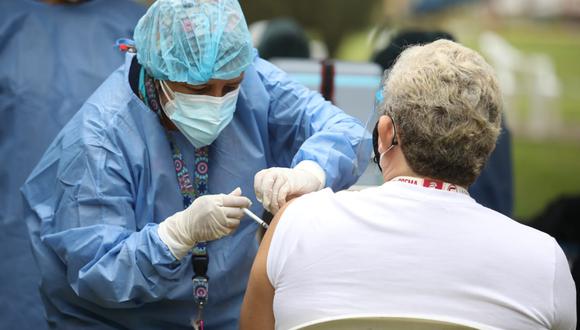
(200, 118)
(378, 157)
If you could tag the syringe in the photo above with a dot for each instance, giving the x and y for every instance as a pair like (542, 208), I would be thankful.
(255, 218)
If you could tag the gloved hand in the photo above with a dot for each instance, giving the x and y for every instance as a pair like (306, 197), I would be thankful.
(273, 186)
(208, 218)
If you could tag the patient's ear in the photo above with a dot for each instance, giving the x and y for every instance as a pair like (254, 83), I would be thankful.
(385, 132)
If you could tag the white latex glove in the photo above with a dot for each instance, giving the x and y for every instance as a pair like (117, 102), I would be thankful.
(208, 218)
(274, 185)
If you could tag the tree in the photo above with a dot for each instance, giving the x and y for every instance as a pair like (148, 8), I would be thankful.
(333, 19)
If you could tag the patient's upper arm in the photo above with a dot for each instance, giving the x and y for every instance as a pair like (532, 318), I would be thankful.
(257, 311)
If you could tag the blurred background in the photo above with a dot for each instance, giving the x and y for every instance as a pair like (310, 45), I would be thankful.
(339, 47)
(533, 44)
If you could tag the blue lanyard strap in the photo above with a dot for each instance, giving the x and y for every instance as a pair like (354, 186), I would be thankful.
(190, 190)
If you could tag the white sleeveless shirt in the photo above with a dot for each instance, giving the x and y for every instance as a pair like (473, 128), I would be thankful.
(404, 250)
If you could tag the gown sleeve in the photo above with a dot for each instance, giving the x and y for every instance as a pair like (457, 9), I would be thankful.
(81, 200)
(304, 126)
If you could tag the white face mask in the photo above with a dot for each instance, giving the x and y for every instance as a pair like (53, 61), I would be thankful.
(381, 156)
(394, 143)
(200, 118)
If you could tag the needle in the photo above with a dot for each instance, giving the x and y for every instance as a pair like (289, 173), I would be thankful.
(255, 218)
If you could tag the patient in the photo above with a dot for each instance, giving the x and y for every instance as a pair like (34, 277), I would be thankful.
(417, 246)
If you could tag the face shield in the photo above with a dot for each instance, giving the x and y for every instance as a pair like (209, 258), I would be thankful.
(371, 130)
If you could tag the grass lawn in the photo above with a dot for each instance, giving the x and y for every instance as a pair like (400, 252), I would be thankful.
(562, 43)
(544, 171)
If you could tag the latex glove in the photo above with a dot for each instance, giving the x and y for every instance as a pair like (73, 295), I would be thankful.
(273, 186)
(208, 218)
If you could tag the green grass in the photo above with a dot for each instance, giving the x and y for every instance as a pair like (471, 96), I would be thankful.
(543, 171)
(562, 43)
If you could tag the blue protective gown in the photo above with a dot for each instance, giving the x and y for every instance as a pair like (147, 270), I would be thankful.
(108, 179)
(52, 57)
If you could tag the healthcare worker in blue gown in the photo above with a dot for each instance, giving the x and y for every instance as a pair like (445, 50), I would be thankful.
(53, 55)
(162, 158)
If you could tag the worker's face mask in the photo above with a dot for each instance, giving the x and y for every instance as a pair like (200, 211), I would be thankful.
(201, 118)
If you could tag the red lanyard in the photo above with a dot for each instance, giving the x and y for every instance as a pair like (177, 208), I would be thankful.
(433, 184)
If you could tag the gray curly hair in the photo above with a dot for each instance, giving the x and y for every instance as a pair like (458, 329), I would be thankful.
(446, 103)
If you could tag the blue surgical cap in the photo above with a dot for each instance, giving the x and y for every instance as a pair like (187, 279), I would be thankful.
(193, 41)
